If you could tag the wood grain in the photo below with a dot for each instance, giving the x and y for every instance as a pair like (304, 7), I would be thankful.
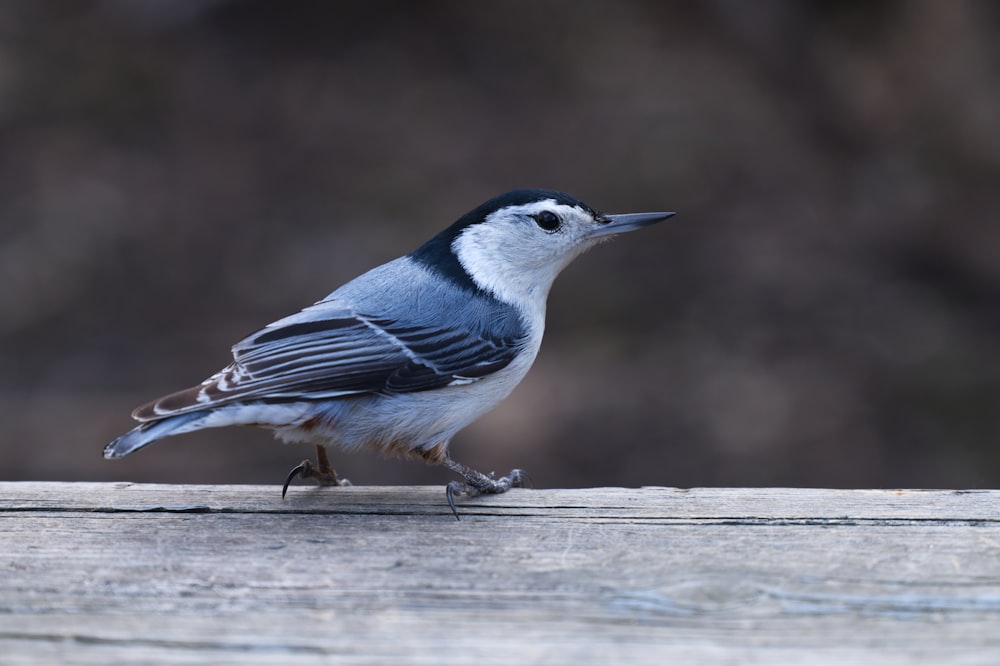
(123, 573)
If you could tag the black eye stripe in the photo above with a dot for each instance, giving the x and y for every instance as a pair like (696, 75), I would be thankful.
(547, 220)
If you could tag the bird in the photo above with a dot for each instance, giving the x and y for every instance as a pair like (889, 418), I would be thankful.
(401, 358)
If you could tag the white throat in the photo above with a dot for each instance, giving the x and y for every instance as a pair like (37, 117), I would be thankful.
(490, 265)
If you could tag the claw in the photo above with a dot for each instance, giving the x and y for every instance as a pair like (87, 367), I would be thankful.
(519, 479)
(324, 474)
(450, 493)
(298, 470)
(477, 483)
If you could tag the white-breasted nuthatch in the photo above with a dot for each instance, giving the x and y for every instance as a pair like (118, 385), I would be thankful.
(401, 358)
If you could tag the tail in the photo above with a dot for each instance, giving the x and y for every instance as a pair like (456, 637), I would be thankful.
(151, 431)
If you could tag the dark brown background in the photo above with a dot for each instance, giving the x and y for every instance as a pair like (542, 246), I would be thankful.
(823, 311)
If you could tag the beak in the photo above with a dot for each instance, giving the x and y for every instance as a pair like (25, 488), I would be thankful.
(629, 222)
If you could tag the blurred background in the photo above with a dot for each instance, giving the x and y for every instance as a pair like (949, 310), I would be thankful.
(824, 311)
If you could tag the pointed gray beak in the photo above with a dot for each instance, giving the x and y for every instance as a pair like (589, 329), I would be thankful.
(618, 224)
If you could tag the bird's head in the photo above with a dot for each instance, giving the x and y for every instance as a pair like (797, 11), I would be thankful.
(515, 245)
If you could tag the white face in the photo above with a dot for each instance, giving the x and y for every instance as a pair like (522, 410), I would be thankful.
(518, 251)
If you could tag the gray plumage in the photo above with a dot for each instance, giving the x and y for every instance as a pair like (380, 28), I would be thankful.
(339, 367)
(403, 357)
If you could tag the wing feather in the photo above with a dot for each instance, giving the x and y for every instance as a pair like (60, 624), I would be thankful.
(319, 354)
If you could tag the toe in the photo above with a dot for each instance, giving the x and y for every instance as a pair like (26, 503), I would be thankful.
(519, 479)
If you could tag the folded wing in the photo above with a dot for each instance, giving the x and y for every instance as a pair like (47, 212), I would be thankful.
(324, 352)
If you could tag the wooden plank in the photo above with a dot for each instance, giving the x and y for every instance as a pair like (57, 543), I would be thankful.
(124, 573)
(750, 504)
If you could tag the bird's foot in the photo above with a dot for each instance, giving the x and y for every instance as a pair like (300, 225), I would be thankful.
(322, 472)
(477, 483)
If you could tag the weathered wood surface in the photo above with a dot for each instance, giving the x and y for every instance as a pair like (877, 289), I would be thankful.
(130, 574)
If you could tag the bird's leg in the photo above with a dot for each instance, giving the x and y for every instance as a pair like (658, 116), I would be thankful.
(323, 472)
(477, 483)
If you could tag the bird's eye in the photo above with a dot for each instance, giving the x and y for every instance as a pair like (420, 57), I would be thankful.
(547, 220)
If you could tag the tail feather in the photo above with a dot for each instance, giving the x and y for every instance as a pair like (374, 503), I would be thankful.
(265, 415)
(149, 432)
(180, 402)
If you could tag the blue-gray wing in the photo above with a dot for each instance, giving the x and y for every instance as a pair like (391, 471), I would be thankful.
(327, 352)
